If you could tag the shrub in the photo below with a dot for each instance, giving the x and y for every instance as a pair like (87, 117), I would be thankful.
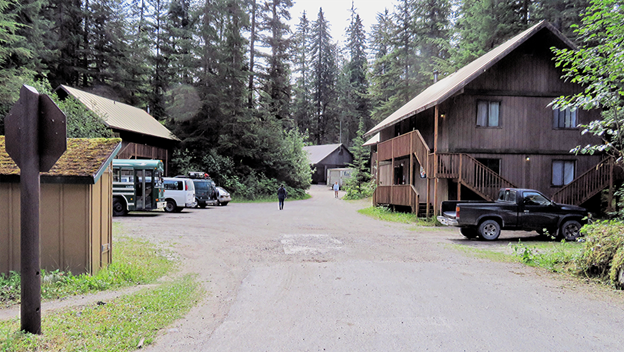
(603, 253)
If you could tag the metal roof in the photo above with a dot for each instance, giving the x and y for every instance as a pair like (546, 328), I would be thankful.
(316, 153)
(372, 141)
(121, 116)
(452, 84)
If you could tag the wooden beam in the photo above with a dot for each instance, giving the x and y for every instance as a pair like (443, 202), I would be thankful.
(435, 159)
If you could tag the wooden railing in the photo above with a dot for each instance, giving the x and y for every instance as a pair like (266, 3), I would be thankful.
(448, 165)
(587, 185)
(404, 145)
(480, 178)
(421, 150)
(405, 195)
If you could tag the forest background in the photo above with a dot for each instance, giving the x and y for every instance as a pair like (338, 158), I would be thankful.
(242, 90)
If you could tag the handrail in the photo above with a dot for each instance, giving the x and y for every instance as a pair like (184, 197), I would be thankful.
(481, 179)
(421, 150)
(582, 188)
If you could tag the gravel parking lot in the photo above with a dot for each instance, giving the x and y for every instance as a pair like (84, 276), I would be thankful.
(320, 276)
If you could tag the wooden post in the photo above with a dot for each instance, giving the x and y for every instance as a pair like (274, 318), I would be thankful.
(459, 180)
(435, 160)
(411, 170)
(610, 200)
(392, 172)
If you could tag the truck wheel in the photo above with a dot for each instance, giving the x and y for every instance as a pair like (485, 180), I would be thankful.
(489, 230)
(119, 208)
(171, 206)
(571, 230)
(469, 232)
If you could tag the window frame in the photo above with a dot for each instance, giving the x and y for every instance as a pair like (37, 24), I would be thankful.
(558, 118)
(489, 103)
(563, 174)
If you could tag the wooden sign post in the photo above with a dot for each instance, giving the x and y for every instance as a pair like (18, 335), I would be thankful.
(36, 136)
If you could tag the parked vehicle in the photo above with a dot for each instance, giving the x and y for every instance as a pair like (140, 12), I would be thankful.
(179, 194)
(515, 209)
(137, 185)
(224, 197)
(205, 188)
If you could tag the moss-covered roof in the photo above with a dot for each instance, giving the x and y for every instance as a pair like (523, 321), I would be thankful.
(83, 159)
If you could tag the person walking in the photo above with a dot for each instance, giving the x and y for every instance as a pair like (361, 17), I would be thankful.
(281, 195)
(336, 189)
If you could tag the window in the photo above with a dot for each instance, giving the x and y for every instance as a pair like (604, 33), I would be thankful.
(562, 172)
(488, 113)
(564, 118)
(534, 198)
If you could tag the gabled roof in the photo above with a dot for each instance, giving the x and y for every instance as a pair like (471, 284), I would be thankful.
(121, 116)
(452, 84)
(84, 161)
(316, 153)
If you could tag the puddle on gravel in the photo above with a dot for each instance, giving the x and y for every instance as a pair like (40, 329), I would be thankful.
(309, 244)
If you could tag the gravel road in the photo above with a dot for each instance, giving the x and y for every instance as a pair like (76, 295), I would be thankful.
(318, 276)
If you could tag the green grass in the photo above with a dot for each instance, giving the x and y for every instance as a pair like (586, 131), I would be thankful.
(492, 255)
(115, 326)
(135, 262)
(385, 214)
(553, 256)
(268, 199)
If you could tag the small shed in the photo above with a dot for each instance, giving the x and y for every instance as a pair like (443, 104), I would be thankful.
(75, 208)
(327, 156)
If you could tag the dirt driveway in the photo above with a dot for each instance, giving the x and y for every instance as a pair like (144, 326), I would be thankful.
(319, 276)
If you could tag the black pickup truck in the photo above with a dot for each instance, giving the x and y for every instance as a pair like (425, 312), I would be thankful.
(515, 209)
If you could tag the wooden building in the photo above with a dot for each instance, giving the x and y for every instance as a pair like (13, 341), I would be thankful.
(327, 156)
(143, 137)
(75, 208)
(490, 125)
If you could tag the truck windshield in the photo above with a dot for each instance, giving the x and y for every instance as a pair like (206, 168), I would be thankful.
(507, 195)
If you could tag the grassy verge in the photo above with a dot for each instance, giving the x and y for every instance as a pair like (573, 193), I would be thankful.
(134, 262)
(267, 199)
(553, 256)
(385, 214)
(119, 325)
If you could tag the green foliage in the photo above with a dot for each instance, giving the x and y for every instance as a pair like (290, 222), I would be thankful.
(137, 317)
(556, 257)
(359, 185)
(597, 66)
(602, 253)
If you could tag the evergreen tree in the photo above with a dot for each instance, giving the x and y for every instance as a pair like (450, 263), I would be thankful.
(357, 78)
(323, 58)
(303, 110)
(432, 27)
(274, 35)
(358, 186)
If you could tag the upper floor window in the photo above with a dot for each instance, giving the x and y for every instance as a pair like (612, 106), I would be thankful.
(488, 113)
(564, 118)
(562, 172)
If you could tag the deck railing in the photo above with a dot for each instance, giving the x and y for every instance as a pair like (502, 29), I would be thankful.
(404, 145)
(586, 185)
(405, 195)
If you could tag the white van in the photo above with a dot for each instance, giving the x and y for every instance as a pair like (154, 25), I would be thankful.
(179, 194)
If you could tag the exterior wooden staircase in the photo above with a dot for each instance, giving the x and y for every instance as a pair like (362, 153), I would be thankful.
(589, 184)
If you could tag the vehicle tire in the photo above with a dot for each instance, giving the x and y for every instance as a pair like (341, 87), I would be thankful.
(203, 206)
(469, 232)
(571, 230)
(489, 230)
(219, 203)
(119, 208)
(171, 206)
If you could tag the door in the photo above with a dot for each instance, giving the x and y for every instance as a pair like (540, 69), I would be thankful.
(139, 188)
(538, 212)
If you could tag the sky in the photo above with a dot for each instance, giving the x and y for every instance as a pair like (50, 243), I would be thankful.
(338, 13)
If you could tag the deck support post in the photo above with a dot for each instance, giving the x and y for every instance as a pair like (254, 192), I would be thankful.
(435, 159)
